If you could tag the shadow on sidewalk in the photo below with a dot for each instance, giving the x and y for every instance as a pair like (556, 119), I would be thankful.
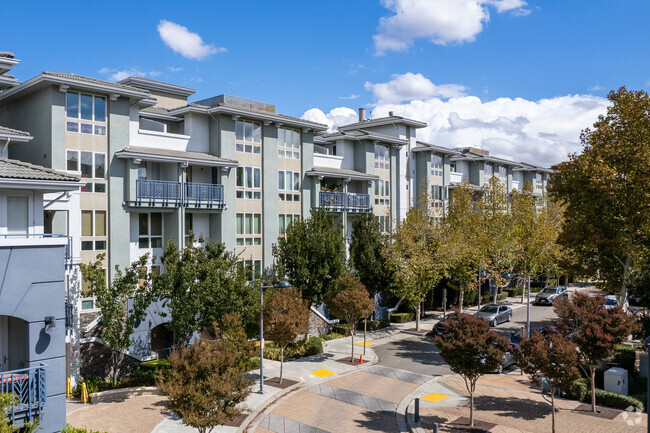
(518, 408)
(421, 350)
(378, 421)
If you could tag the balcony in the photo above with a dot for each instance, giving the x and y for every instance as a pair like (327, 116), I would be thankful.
(344, 202)
(205, 195)
(29, 387)
(515, 184)
(455, 177)
(157, 192)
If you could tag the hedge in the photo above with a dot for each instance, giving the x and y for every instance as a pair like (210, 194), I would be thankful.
(373, 325)
(401, 317)
(69, 429)
(301, 348)
(626, 357)
(581, 391)
(341, 328)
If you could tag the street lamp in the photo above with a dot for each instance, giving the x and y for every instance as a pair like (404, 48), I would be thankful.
(280, 285)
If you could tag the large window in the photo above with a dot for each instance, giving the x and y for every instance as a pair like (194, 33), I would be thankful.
(85, 107)
(17, 215)
(150, 230)
(249, 229)
(285, 220)
(503, 172)
(253, 268)
(538, 181)
(489, 172)
(436, 165)
(249, 183)
(55, 222)
(248, 136)
(382, 157)
(384, 223)
(288, 143)
(289, 185)
(91, 165)
(93, 224)
(382, 192)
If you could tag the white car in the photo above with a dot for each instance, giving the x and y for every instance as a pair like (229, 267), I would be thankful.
(610, 302)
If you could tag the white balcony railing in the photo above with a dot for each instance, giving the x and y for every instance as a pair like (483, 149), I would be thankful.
(455, 177)
(515, 184)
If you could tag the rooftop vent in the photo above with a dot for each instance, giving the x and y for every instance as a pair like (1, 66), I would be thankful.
(362, 114)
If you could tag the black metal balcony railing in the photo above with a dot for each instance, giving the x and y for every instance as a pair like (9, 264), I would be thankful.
(344, 202)
(203, 195)
(29, 387)
(158, 192)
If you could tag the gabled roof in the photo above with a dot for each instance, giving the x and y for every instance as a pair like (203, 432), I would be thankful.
(168, 155)
(14, 135)
(362, 134)
(9, 131)
(428, 147)
(471, 156)
(389, 120)
(94, 81)
(340, 173)
(530, 167)
(13, 169)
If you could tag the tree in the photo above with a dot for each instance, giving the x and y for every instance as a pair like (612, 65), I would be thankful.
(200, 284)
(410, 254)
(286, 315)
(472, 349)
(122, 304)
(605, 191)
(6, 402)
(207, 383)
(368, 263)
(553, 359)
(312, 255)
(350, 302)
(594, 329)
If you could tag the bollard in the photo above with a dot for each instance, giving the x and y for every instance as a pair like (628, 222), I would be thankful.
(435, 427)
(417, 410)
(84, 393)
(68, 389)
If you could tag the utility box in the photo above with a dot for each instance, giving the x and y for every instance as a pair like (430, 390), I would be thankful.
(616, 380)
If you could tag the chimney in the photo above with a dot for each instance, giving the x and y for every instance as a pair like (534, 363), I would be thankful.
(362, 114)
(390, 114)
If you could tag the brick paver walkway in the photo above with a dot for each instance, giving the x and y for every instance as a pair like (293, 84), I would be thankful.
(505, 404)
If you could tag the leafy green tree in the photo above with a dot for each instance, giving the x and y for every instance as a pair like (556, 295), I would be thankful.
(200, 284)
(312, 255)
(368, 263)
(6, 402)
(410, 254)
(605, 191)
(122, 304)
(286, 315)
(553, 358)
(595, 329)
(206, 384)
(350, 302)
(472, 349)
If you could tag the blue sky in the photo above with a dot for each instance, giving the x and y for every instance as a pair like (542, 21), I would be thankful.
(512, 76)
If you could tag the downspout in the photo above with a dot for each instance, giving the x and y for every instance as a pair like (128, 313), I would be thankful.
(5, 151)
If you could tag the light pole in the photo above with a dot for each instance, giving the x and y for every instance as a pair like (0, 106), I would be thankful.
(280, 285)
(528, 309)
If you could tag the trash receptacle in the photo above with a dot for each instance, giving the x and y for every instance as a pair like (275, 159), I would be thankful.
(616, 380)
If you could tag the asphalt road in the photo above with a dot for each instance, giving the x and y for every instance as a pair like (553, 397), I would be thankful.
(420, 355)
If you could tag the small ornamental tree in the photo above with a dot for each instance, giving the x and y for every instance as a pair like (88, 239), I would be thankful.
(595, 330)
(472, 349)
(366, 244)
(206, 384)
(286, 315)
(350, 302)
(6, 403)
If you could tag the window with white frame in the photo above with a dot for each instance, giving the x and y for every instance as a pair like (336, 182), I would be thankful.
(92, 165)
(150, 230)
(384, 223)
(17, 214)
(489, 171)
(538, 180)
(382, 157)
(289, 185)
(288, 143)
(285, 221)
(248, 136)
(253, 268)
(436, 165)
(149, 171)
(93, 225)
(436, 196)
(503, 172)
(249, 184)
(89, 109)
(382, 192)
(249, 229)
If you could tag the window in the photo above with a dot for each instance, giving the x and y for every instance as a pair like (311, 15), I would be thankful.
(249, 183)
(150, 230)
(72, 160)
(503, 172)
(436, 192)
(86, 223)
(288, 143)
(289, 181)
(489, 172)
(382, 157)
(384, 223)
(100, 223)
(93, 224)
(248, 132)
(285, 221)
(86, 164)
(436, 165)
(100, 169)
(55, 222)
(85, 107)
(91, 165)
(189, 227)
(253, 268)
(249, 229)
(382, 192)
(17, 215)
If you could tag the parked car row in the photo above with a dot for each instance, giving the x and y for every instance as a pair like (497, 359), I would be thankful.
(549, 295)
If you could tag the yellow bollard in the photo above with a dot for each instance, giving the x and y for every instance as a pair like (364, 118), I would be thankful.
(68, 389)
(84, 393)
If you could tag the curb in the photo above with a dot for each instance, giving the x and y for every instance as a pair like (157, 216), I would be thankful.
(122, 394)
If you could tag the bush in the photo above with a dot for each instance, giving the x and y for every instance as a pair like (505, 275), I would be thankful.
(314, 347)
(502, 296)
(625, 357)
(252, 364)
(69, 429)
(301, 348)
(401, 317)
(332, 336)
(581, 391)
(341, 328)
(514, 291)
(373, 325)
(161, 367)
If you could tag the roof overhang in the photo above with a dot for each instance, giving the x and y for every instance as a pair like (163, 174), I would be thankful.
(158, 86)
(382, 122)
(6, 63)
(11, 138)
(348, 174)
(367, 137)
(436, 149)
(188, 158)
(486, 159)
(40, 184)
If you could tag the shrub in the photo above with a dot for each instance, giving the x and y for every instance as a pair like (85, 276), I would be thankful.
(314, 347)
(401, 317)
(253, 363)
(616, 401)
(374, 325)
(502, 296)
(514, 291)
(341, 328)
(69, 429)
(332, 336)
(625, 357)
(581, 391)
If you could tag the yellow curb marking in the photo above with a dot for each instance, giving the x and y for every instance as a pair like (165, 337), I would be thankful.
(368, 343)
(434, 397)
(322, 373)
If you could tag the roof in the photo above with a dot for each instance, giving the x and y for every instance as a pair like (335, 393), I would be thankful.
(340, 172)
(174, 156)
(530, 167)
(161, 86)
(9, 131)
(479, 157)
(13, 169)
(428, 147)
(384, 121)
(96, 81)
(359, 134)
(7, 54)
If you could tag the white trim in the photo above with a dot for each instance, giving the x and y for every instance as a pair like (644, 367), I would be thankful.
(21, 138)
(164, 134)
(157, 158)
(54, 185)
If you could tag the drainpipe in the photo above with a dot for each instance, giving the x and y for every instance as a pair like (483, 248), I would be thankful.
(5, 151)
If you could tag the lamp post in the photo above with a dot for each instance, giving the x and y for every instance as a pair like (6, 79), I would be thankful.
(280, 285)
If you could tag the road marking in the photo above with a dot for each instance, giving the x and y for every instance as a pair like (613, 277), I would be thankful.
(322, 373)
(368, 343)
(434, 397)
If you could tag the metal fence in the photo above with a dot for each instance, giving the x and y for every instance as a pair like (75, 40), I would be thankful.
(29, 387)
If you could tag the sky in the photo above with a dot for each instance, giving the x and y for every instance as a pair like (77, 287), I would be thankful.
(520, 78)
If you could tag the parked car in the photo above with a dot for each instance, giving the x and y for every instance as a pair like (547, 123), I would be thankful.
(508, 359)
(549, 294)
(495, 314)
(636, 299)
(515, 336)
(439, 328)
(610, 302)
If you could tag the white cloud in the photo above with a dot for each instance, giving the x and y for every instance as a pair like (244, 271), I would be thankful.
(349, 97)
(120, 74)
(411, 86)
(596, 88)
(539, 132)
(174, 69)
(188, 44)
(441, 21)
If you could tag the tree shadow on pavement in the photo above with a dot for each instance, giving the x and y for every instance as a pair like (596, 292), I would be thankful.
(421, 350)
(458, 425)
(520, 408)
(378, 421)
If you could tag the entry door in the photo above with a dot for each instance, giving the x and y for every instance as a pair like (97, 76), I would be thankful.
(4, 343)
